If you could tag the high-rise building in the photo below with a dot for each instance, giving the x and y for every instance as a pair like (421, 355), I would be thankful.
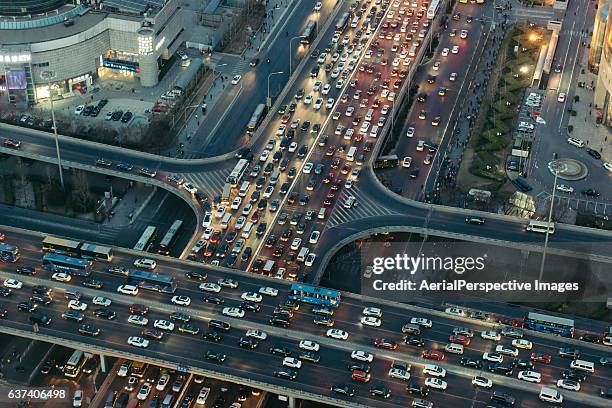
(599, 32)
(603, 90)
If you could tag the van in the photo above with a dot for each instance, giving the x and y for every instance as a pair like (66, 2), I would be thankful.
(268, 267)
(71, 294)
(226, 220)
(274, 178)
(110, 399)
(302, 254)
(454, 348)
(369, 115)
(244, 188)
(374, 131)
(168, 400)
(550, 395)
(583, 365)
(39, 318)
(411, 329)
(246, 231)
(321, 214)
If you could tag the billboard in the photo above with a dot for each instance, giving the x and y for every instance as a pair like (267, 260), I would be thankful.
(16, 80)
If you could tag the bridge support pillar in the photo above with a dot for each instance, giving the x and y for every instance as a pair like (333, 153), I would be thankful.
(291, 402)
(102, 363)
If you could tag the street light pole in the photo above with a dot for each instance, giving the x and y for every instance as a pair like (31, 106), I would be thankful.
(291, 53)
(269, 100)
(48, 76)
(550, 211)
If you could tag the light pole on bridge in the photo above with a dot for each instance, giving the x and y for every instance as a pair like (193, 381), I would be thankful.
(269, 100)
(48, 76)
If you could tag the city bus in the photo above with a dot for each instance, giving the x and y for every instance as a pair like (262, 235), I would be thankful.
(433, 9)
(314, 295)
(151, 281)
(226, 195)
(96, 252)
(386, 162)
(167, 242)
(310, 32)
(146, 239)
(9, 253)
(541, 226)
(258, 115)
(549, 324)
(74, 364)
(61, 246)
(67, 264)
(342, 22)
(238, 172)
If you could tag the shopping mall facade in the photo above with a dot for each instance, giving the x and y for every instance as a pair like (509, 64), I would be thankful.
(600, 61)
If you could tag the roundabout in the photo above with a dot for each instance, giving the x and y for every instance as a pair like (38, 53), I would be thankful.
(568, 169)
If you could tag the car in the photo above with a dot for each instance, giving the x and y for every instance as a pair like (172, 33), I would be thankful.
(382, 392)
(343, 390)
(203, 396)
(249, 343)
(210, 287)
(370, 321)
(541, 358)
(399, 373)
(105, 314)
(266, 290)
(236, 79)
(494, 357)
(436, 383)
(151, 333)
(455, 311)
(591, 192)
(445, 52)
(309, 345)
(163, 325)
(181, 300)
(13, 283)
(522, 344)
(101, 301)
(254, 62)
(434, 370)
(292, 362)
(77, 305)
(138, 320)
(564, 188)
(362, 356)
(459, 339)
(251, 296)
(530, 376)
(138, 342)
(561, 97)
(73, 315)
(233, 312)
(145, 263)
(606, 392)
(568, 384)
(480, 381)
(216, 357)
(431, 354)
(361, 376)
(61, 277)
(576, 142)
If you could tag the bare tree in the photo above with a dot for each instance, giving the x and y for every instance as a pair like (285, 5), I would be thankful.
(81, 194)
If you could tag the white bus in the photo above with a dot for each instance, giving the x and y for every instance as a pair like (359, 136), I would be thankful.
(350, 156)
(146, 239)
(238, 172)
(74, 364)
(433, 9)
(541, 226)
(226, 194)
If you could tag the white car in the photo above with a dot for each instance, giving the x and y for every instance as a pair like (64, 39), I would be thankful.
(281, 130)
(421, 321)
(181, 300)
(251, 296)
(522, 343)
(317, 86)
(77, 305)
(399, 374)
(308, 99)
(455, 311)
(362, 356)
(509, 351)
(455, 49)
(445, 52)
(407, 162)
(565, 189)
(296, 243)
(61, 277)
(138, 342)
(326, 89)
(372, 311)
(453, 76)
(608, 166)
(337, 334)
(307, 168)
(292, 147)
(162, 383)
(370, 321)
(490, 335)
(138, 320)
(236, 79)
(434, 370)
(79, 109)
(292, 362)
(163, 325)
(268, 192)
(101, 301)
(257, 334)
(236, 203)
(436, 66)
(568, 384)
(329, 103)
(77, 400)
(530, 376)
(233, 312)
(13, 283)
(240, 222)
(464, 34)
(266, 290)
(561, 97)
(206, 221)
(314, 237)
(310, 258)
(410, 131)
(145, 263)
(143, 394)
(480, 381)
(190, 188)
(576, 142)
(436, 383)
(339, 83)
(318, 103)
(210, 287)
(128, 289)
(228, 283)
(309, 345)
(203, 396)
(493, 357)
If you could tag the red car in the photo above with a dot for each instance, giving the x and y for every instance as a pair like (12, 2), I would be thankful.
(361, 376)
(151, 333)
(385, 344)
(137, 308)
(459, 339)
(13, 143)
(433, 355)
(510, 322)
(2, 237)
(541, 358)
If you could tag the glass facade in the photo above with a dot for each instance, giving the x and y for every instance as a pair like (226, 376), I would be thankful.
(25, 7)
(599, 32)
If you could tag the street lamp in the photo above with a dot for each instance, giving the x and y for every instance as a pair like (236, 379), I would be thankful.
(291, 52)
(550, 211)
(269, 100)
(48, 76)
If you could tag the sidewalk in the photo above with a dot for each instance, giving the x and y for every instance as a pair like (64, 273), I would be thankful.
(129, 207)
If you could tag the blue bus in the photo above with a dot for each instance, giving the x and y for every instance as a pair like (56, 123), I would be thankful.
(152, 281)
(314, 295)
(559, 326)
(67, 264)
(9, 253)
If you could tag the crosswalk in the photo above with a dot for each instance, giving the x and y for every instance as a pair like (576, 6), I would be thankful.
(210, 182)
(230, 64)
(366, 207)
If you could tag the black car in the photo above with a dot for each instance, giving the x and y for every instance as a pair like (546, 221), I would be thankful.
(41, 290)
(213, 299)
(505, 399)
(593, 153)
(523, 364)
(105, 314)
(280, 351)
(196, 275)
(606, 393)
(44, 299)
(591, 192)
(569, 352)
(354, 365)
(181, 317)
(126, 117)
(246, 254)
(247, 342)
(47, 366)
(284, 372)
(414, 388)
(217, 357)
(4, 292)
(309, 356)
(93, 283)
(591, 338)
(26, 306)
(343, 390)
(219, 325)
(471, 362)
(302, 151)
(88, 110)
(414, 341)
(26, 270)
(117, 115)
(422, 97)
(189, 328)
(382, 392)
(212, 336)
(501, 368)
(606, 361)
(280, 321)
(89, 330)
(250, 306)
(575, 375)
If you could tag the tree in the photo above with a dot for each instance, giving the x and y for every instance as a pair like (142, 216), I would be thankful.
(81, 195)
